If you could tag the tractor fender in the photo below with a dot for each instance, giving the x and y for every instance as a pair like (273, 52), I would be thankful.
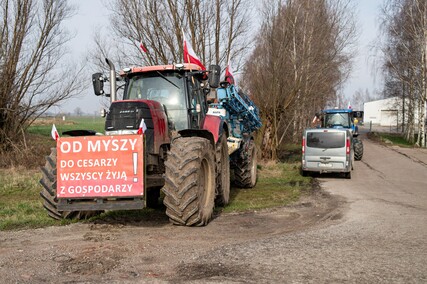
(198, 133)
(215, 125)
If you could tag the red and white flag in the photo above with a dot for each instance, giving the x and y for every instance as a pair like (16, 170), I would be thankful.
(189, 54)
(229, 74)
(349, 105)
(142, 127)
(54, 133)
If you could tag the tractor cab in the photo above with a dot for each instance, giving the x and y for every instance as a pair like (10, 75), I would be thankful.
(179, 90)
(339, 118)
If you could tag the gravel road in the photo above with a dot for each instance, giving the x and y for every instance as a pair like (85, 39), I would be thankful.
(370, 229)
(382, 237)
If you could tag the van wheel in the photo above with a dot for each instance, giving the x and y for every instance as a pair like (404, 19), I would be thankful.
(347, 175)
(304, 173)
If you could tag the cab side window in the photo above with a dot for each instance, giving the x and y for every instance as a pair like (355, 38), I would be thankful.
(196, 98)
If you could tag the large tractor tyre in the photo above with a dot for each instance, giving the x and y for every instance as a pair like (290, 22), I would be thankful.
(358, 149)
(222, 172)
(245, 171)
(48, 193)
(190, 181)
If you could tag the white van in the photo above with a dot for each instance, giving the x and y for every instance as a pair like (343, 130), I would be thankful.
(327, 151)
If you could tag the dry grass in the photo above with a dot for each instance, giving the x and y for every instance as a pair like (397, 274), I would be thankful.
(269, 169)
(29, 154)
(20, 203)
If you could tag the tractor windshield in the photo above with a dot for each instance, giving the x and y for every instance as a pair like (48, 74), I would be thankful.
(337, 120)
(166, 88)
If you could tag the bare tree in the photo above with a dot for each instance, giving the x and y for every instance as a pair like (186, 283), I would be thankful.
(404, 51)
(78, 111)
(301, 58)
(217, 29)
(361, 96)
(33, 79)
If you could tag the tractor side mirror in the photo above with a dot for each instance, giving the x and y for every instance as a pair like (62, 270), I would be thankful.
(98, 84)
(214, 76)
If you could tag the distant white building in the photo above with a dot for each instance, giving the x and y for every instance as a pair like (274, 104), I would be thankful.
(386, 112)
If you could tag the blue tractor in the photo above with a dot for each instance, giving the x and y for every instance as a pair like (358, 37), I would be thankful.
(343, 118)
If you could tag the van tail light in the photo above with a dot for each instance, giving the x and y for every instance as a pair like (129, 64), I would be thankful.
(347, 146)
(303, 145)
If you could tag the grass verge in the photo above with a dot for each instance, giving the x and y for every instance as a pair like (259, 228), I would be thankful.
(20, 202)
(390, 139)
(21, 206)
(278, 185)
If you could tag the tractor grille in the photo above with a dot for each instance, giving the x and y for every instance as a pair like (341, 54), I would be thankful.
(127, 115)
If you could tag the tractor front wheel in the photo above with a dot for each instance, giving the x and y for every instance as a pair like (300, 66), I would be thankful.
(190, 181)
(48, 193)
(358, 149)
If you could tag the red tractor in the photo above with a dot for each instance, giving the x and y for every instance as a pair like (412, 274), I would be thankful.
(183, 148)
(158, 137)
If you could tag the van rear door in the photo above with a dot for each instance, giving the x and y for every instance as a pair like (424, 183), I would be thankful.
(325, 150)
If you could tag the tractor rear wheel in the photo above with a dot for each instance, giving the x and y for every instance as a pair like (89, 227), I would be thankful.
(48, 193)
(222, 172)
(245, 171)
(358, 149)
(190, 181)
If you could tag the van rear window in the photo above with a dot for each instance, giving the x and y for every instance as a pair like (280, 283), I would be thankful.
(326, 139)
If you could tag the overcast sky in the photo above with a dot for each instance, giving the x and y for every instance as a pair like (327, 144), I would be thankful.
(93, 14)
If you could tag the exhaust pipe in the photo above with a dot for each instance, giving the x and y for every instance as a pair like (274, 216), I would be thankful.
(112, 80)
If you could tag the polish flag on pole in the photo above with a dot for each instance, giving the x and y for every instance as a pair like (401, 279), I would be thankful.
(142, 127)
(54, 133)
(349, 105)
(189, 54)
(229, 74)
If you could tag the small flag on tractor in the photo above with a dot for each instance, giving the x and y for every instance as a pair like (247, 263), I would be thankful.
(54, 133)
(142, 127)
